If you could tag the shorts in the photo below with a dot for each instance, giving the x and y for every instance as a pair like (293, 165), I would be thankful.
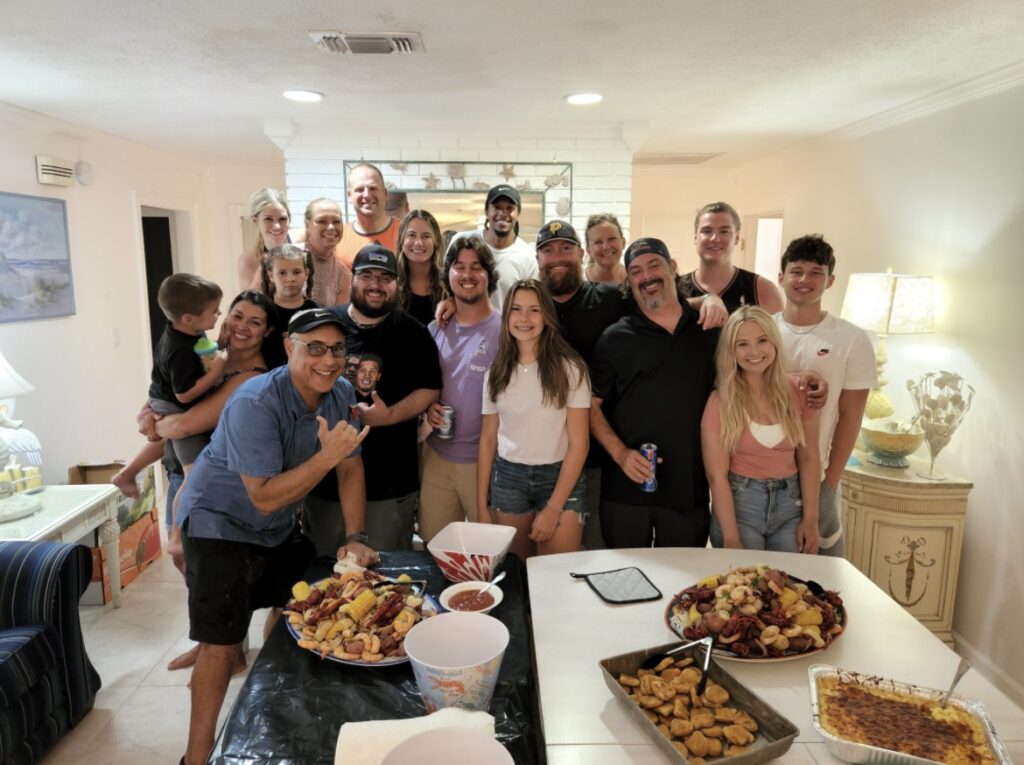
(518, 489)
(228, 580)
(185, 449)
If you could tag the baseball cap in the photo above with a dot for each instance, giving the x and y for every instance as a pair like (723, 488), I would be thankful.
(503, 190)
(643, 246)
(557, 229)
(375, 256)
(304, 321)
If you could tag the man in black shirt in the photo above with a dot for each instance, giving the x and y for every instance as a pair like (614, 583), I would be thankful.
(652, 372)
(411, 384)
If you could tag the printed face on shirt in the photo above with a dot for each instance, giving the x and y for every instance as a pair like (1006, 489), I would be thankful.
(652, 280)
(367, 376)
(502, 215)
(561, 266)
(804, 282)
(272, 222)
(311, 374)
(323, 228)
(366, 192)
(716, 237)
(352, 367)
(753, 349)
(605, 245)
(374, 292)
(467, 277)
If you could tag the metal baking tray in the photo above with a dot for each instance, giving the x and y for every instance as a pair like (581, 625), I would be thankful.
(864, 754)
(775, 733)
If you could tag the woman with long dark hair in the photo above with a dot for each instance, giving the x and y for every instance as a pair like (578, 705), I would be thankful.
(420, 251)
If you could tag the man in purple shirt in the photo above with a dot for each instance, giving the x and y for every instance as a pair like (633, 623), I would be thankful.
(466, 345)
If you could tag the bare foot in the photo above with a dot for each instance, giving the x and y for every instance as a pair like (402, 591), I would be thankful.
(185, 660)
(237, 668)
(125, 484)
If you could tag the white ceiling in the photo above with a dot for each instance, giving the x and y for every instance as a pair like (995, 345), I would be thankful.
(741, 77)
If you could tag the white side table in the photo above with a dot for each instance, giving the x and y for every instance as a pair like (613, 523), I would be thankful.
(68, 514)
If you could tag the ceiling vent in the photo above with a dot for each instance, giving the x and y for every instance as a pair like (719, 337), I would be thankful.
(362, 43)
(55, 172)
(673, 159)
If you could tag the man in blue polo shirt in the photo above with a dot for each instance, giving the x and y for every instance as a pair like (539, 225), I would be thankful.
(278, 436)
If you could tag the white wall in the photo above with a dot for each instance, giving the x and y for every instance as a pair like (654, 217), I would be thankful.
(91, 370)
(315, 158)
(941, 195)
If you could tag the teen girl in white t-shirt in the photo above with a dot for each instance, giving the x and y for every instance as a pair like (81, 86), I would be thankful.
(535, 434)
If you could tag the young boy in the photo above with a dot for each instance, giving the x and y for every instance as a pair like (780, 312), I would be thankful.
(840, 352)
(180, 377)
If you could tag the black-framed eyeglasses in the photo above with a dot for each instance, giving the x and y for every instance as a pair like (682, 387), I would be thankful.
(316, 348)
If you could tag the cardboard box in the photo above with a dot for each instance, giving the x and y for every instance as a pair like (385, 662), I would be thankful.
(139, 520)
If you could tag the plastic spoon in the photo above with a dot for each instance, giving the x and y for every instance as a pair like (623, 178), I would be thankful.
(960, 672)
(493, 582)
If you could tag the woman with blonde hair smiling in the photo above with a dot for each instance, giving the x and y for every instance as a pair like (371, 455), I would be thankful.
(760, 443)
(268, 209)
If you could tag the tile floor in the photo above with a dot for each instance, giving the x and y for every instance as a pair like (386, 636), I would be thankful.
(141, 712)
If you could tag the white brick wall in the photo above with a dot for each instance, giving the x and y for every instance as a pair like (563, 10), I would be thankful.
(601, 167)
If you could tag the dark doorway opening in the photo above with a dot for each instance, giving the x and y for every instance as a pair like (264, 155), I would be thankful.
(158, 245)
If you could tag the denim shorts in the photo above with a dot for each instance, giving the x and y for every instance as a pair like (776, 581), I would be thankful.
(519, 489)
(768, 512)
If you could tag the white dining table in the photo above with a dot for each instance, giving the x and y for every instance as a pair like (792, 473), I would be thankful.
(574, 629)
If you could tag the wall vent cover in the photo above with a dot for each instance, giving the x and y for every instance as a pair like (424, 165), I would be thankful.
(52, 171)
(364, 43)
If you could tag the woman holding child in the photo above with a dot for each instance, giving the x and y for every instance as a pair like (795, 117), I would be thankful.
(760, 444)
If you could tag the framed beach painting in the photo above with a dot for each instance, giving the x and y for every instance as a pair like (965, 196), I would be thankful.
(35, 260)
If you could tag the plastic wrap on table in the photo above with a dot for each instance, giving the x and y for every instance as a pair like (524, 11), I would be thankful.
(293, 703)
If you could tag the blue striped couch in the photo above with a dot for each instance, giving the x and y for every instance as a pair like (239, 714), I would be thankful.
(47, 683)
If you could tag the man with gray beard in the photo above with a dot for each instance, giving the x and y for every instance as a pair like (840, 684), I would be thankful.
(652, 372)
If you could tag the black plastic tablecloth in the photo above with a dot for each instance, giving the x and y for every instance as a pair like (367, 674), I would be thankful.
(293, 703)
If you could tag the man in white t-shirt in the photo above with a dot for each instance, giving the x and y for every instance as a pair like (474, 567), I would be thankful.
(840, 352)
(514, 258)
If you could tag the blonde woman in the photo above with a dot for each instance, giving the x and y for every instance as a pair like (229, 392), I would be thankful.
(605, 243)
(269, 211)
(760, 444)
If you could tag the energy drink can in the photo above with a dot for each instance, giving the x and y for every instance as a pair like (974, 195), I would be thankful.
(650, 453)
(447, 430)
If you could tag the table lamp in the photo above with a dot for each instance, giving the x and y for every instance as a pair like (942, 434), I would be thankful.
(14, 441)
(888, 304)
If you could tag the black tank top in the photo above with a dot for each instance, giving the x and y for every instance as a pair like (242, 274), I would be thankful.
(742, 290)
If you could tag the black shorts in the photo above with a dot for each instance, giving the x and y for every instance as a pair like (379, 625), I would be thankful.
(229, 580)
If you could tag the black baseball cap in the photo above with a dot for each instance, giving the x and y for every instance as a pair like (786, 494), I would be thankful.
(643, 246)
(375, 256)
(557, 229)
(503, 190)
(304, 321)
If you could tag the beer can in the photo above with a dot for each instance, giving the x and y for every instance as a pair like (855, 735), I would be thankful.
(650, 453)
(447, 429)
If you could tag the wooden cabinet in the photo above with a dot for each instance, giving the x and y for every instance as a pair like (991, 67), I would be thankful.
(904, 532)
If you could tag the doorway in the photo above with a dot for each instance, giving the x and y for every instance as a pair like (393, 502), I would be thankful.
(768, 246)
(158, 246)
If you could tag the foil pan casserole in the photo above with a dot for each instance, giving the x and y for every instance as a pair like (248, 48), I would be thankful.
(865, 754)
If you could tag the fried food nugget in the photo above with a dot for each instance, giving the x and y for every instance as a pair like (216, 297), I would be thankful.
(697, 744)
(702, 718)
(681, 728)
(715, 747)
(715, 695)
(737, 735)
(662, 690)
(628, 680)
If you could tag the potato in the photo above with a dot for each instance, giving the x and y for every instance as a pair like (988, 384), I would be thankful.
(301, 590)
(812, 616)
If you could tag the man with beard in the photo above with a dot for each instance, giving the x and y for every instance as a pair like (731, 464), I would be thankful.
(652, 372)
(513, 257)
(585, 311)
(373, 223)
(413, 382)
(466, 344)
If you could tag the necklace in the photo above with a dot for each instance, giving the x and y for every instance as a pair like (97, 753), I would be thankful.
(806, 330)
(360, 324)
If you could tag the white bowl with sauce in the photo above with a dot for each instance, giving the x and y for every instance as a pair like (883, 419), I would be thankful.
(466, 590)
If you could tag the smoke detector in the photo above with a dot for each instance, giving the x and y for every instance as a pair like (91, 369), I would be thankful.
(52, 171)
(359, 43)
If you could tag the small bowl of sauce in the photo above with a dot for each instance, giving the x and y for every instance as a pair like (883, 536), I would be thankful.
(467, 596)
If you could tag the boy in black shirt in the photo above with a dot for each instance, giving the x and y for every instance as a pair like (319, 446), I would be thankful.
(181, 376)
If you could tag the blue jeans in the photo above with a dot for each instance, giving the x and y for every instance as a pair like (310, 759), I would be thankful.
(768, 513)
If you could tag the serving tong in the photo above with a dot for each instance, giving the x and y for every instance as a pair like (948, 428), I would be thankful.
(417, 585)
(656, 658)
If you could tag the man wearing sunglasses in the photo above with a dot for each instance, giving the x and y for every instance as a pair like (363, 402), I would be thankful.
(375, 325)
(279, 434)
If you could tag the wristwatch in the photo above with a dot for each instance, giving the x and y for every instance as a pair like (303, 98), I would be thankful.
(359, 536)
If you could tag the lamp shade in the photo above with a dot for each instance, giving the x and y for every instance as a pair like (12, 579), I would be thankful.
(11, 383)
(890, 304)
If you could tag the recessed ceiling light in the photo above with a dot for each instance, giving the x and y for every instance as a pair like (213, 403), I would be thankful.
(584, 99)
(306, 96)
